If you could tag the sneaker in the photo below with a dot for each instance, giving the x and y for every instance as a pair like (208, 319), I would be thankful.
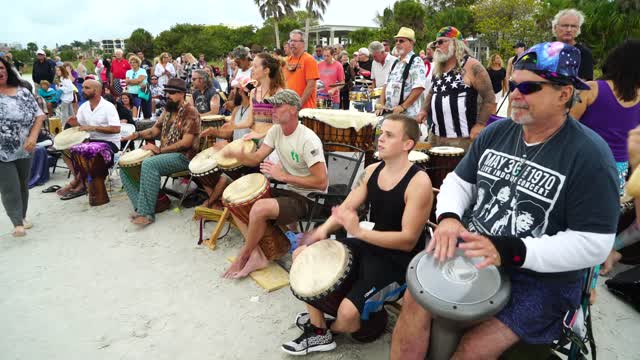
(303, 318)
(310, 341)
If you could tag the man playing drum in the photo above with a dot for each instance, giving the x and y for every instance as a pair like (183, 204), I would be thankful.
(302, 166)
(178, 128)
(400, 198)
(556, 215)
(100, 118)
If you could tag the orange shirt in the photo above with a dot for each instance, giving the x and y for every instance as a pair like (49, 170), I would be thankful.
(306, 68)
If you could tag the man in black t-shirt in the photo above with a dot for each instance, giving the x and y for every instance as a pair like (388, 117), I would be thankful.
(546, 209)
(205, 98)
(566, 28)
(400, 198)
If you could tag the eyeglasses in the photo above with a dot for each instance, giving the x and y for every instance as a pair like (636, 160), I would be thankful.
(195, 78)
(401, 41)
(527, 87)
(293, 41)
(441, 41)
(569, 26)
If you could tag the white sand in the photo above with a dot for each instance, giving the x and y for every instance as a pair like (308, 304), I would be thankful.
(85, 284)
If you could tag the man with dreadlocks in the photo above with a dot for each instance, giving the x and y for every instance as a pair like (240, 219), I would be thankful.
(178, 128)
(458, 115)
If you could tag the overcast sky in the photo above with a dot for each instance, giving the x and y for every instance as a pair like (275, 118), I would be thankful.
(63, 21)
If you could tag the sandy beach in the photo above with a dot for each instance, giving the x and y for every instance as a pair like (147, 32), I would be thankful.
(86, 284)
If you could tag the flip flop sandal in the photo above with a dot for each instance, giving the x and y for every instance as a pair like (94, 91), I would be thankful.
(51, 189)
(72, 195)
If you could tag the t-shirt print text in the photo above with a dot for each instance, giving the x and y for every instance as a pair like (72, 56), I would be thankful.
(530, 178)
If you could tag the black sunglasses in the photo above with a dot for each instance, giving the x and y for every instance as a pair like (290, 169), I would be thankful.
(440, 42)
(171, 92)
(527, 87)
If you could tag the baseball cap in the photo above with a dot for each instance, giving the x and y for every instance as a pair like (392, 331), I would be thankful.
(40, 52)
(555, 61)
(363, 51)
(519, 44)
(287, 96)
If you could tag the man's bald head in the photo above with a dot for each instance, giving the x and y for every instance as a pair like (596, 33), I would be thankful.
(91, 88)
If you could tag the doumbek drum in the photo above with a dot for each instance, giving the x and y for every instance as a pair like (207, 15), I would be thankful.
(443, 160)
(92, 161)
(130, 163)
(239, 198)
(231, 166)
(457, 294)
(322, 275)
(204, 167)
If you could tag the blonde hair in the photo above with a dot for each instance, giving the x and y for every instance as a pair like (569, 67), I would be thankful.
(189, 58)
(493, 58)
(45, 83)
(162, 57)
(135, 58)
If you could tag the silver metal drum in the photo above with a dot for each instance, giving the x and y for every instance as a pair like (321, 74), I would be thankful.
(457, 294)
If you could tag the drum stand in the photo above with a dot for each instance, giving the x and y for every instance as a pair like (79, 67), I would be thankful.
(221, 217)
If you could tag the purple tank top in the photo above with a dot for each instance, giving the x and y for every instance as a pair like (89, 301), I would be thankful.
(611, 120)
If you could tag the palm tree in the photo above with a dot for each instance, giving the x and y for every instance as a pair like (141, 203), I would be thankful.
(315, 9)
(276, 9)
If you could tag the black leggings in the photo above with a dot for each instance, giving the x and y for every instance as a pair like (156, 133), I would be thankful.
(14, 188)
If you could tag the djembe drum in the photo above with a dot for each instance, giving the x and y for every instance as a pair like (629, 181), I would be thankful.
(322, 275)
(239, 198)
(457, 294)
(68, 138)
(210, 121)
(443, 160)
(92, 161)
(341, 126)
(204, 167)
(231, 166)
(130, 163)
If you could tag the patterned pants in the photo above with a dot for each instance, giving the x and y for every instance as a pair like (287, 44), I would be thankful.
(143, 196)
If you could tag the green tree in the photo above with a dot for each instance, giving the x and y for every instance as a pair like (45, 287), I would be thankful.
(32, 47)
(264, 35)
(411, 14)
(315, 9)
(460, 17)
(140, 40)
(77, 44)
(502, 22)
(276, 10)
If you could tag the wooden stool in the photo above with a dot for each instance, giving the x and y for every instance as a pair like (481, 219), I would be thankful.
(221, 216)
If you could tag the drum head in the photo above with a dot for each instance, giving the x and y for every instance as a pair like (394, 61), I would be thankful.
(245, 188)
(68, 138)
(316, 269)
(247, 146)
(204, 161)
(456, 289)
(340, 119)
(418, 157)
(206, 118)
(134, 157)
(446, 151)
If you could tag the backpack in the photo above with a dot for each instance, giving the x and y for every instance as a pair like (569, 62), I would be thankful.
(405, 74)
(627, 285)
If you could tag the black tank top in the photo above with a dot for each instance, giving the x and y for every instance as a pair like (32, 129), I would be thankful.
(387, 208)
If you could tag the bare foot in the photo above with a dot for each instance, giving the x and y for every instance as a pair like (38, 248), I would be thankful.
(64, 190)
(612, 259)
(141, 220)
(256, 261)
(237, 265)
(18, 231)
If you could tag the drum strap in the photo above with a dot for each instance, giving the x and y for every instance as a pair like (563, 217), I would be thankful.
(405, 75)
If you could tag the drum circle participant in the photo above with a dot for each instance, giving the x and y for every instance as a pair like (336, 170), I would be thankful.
(534, 178)
(178, 128)
(399, 196)
(302, 167)
(100, 119)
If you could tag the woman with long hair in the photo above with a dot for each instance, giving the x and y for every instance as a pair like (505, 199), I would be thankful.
(498, 75)
(65, 86)
(20, 120)
(612, 108)
(126, 100)
(164, 70)
(77, 93)
(189, 65)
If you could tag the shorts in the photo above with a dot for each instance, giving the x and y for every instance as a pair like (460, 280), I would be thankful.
(292, 206)
(378, 280)
(538, 306)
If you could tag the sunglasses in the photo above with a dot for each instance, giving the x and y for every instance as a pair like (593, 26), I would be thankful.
(170, 92)
(440, 42)
(527, 87)
(401, 41)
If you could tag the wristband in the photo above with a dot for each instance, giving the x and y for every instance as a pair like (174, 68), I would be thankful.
(512, 250)
(448, 215)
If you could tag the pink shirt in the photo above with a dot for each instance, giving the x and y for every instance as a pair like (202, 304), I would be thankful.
(331, 74)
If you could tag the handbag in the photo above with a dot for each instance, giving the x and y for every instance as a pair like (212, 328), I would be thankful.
(143, 91)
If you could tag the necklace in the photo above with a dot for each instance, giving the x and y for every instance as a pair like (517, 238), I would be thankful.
(243, 110)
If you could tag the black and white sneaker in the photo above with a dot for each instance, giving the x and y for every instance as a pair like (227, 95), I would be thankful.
(303, 318)
(311, 340)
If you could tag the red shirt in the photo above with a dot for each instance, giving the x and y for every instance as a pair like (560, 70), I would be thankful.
(119, 68)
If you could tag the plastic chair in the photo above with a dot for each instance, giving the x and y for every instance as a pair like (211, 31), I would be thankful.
(125, 130)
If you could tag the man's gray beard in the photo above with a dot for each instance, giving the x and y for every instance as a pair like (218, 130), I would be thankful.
(442, 58)
(523, 120)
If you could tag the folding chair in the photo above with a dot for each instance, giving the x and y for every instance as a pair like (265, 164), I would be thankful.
(125, 130)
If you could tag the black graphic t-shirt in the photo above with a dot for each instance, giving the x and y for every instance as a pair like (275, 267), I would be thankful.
(567, 183)
(202, 101)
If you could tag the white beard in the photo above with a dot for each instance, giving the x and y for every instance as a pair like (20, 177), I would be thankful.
(440, 57)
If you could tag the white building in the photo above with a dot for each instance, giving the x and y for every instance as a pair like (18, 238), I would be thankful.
(111, 45)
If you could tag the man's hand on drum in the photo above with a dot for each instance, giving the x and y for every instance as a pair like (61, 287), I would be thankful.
(207, 132)
(152, 147)
(73, 121)
(273, 170)
(252, 135)
(348, 218)
(477, 245)
(131, 137)
(313, 236)
(228, 126)
(421, 116)
(445, 238)
(87, 128)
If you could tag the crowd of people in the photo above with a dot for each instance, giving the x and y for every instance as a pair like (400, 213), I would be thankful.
(530, 190)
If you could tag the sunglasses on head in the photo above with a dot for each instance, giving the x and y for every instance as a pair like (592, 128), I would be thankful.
(527, 87)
